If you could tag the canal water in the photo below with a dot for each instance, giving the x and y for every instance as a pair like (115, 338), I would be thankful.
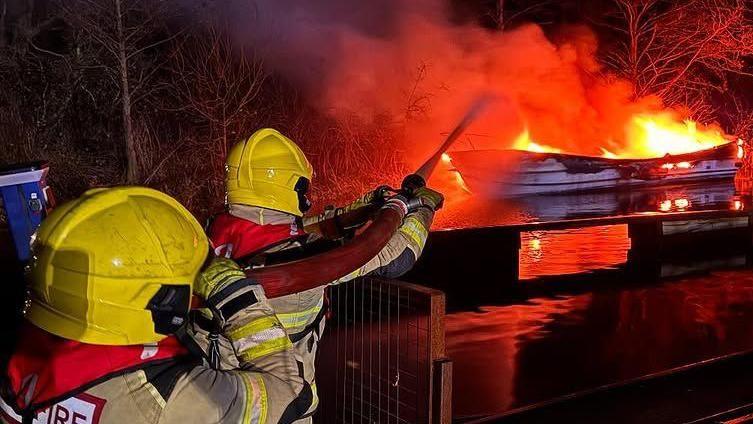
(558, 338)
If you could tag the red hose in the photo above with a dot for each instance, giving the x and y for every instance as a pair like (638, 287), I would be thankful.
(319, 270)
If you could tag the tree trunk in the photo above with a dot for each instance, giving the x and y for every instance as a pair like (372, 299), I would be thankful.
(224, 132)
(3, 14)
(132, 166)
(501, 14)
(634, 30)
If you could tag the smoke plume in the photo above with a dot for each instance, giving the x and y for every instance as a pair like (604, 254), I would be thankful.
(409, 60)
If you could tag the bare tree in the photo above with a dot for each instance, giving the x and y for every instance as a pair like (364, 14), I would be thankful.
(680, 50)
(3, 17)
(117, 37)
(217, 83)
(506, 15)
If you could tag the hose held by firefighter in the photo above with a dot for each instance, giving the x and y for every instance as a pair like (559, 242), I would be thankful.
(111, 281)
(267, 180)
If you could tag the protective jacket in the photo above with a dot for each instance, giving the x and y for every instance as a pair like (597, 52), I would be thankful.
(55, 380)
(302, 314)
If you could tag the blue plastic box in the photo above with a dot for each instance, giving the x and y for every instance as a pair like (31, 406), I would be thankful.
(26, 200)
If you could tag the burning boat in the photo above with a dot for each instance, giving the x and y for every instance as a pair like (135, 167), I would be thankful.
(511, 173)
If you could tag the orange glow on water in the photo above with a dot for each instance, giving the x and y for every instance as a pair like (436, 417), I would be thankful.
(572, 251)
(535, 244)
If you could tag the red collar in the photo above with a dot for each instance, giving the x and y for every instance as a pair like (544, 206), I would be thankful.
(46, 368)
(238, 238)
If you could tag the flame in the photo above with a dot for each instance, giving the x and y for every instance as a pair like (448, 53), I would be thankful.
(524, 142)
(678, 165)
(607, 154)
(661, 134)
(679, 204)
(649, 136)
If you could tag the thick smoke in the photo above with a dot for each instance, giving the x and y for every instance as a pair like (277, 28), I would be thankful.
(408, 59)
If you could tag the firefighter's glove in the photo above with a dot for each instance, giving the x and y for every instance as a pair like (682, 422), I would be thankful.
(375, 197)
(220, 273)
(427, 198)
(398, 203)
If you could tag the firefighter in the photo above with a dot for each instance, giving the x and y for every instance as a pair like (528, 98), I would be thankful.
(267, 179)
(111, 280)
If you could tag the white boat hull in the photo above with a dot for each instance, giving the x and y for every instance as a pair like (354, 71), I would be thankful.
(515, 173)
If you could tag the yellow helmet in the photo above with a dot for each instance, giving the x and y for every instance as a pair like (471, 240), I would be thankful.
(115, 266)
(270, 171)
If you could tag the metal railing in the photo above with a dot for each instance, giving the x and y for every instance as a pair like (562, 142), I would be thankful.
(382, 359)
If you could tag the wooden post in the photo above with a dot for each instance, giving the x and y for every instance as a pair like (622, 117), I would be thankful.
(442, 392)
(645, 237)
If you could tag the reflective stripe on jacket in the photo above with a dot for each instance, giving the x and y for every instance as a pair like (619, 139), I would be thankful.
(299, 312)
(264, 387)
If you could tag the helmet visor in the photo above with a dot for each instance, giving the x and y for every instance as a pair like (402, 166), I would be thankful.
(302, 188)
(169, 307)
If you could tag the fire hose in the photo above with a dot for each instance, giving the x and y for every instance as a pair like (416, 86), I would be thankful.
(319, 270)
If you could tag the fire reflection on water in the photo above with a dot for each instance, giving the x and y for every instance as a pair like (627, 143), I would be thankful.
(511, 356)
(536, 349)
(572, 251)
(491, 347)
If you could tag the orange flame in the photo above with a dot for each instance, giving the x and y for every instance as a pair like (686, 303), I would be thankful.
(524, 142)
(678, 165)
(679, 204)
(648, 136)
(657, 135)
(682, 204)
